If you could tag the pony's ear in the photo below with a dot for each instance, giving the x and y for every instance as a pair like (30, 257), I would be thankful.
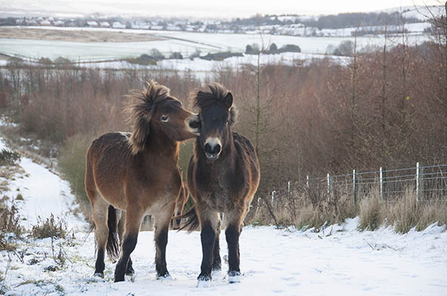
(228, 100)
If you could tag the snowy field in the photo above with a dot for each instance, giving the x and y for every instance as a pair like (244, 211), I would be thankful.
(338, 260)
(175, 41)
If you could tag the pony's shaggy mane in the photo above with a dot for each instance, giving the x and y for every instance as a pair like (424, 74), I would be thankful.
(216, 94)
(140, 113)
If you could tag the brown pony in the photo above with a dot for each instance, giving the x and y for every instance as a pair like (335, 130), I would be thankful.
(137, 173)
(223, 176)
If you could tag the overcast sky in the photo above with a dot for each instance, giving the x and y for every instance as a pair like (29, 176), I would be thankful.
(202, 8)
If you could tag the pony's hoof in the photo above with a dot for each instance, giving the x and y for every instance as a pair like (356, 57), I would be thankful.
(130, 277)
(234, 277)
(119, 279)
(164, 277)
(130, 272)
(99, 274)
(203, 281)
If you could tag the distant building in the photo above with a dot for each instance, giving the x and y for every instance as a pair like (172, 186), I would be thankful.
(91, 24)
(140, 25)
(118, 25)
(104, 25)
(157, 27)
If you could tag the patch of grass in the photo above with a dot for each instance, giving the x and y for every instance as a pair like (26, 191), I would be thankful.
(59, 289)
(371, 216)
(72, 165)
(10, 229)
(51, 227)
(8, 157)
(406, 213)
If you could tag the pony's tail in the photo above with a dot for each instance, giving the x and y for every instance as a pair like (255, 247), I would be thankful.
(192, 220)
(112, 241)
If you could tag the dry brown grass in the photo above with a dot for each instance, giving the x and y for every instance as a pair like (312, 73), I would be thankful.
(10, 229)
(75, 35)
(49, 227)
(371, 215)
(311, 210)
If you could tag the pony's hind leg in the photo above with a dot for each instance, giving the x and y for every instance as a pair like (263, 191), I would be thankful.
(122, 222)
(99, 214)
(132, 227)
(162, 222)
(233, 222)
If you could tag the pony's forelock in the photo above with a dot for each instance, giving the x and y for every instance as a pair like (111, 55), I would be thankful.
(216, 94)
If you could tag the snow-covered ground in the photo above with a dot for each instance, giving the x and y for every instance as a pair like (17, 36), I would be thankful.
(43, 192)
(175, 41)
(338, 260)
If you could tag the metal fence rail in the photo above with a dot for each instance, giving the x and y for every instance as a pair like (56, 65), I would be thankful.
(429, 183)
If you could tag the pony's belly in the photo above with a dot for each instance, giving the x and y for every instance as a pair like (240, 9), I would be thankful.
(114, 195)
(221, 202)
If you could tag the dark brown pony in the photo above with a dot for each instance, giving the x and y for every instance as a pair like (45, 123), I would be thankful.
(223, 176)
(137, 173)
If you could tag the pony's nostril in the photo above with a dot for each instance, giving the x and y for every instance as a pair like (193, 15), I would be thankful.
(208, 148)
(213, 150)
(194, 124)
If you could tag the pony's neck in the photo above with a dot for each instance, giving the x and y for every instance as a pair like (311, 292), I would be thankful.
(160, 145)
(229, 149)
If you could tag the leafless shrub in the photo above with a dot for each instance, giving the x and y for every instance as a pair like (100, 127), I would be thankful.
(50, 227)
(10, 229)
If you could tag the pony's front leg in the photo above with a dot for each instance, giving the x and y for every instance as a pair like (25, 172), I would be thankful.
(209, 222)
(162, 222)
(132, 228)
(216, 250)
(232, 233)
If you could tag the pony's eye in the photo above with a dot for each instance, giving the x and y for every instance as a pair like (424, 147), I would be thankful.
(164, 118)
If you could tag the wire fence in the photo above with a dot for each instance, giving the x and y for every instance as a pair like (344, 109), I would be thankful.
(428, 182)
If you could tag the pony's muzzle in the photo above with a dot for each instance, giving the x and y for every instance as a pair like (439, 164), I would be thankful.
(193, 124)
(212, 148)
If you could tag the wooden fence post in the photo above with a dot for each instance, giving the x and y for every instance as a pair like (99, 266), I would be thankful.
(354, 186)
(382, 177)
(419, 182)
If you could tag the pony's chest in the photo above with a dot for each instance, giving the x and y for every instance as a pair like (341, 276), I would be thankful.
(220, 192)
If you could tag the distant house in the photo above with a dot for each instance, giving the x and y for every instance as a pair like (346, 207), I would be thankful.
(59, 23)
(157, 27)
(45, 23)
(118, 25)
(172, 28)
(104, 25)
(140, 25)
(91, 24)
